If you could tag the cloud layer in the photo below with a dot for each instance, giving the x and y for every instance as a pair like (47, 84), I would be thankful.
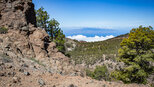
(90, 39)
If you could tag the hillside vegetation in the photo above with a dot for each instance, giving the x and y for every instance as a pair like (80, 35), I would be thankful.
(91, 52)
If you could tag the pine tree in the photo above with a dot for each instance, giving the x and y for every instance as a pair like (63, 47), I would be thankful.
(42, 18)
(56, 34)
(51, 27)
(137, 53)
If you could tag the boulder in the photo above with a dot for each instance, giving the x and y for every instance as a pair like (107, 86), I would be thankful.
(41, 82)
(39, 40)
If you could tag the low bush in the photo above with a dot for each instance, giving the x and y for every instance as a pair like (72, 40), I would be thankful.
(100, 73)
(3, 30)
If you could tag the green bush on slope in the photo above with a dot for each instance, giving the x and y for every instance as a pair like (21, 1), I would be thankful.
(3, 30)
(101, 72)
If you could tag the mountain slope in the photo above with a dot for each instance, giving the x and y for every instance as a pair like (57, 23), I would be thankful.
(91, 52)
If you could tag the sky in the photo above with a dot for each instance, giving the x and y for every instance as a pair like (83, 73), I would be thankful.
(120, 15)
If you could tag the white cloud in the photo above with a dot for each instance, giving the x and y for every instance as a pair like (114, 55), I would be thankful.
(90, 39)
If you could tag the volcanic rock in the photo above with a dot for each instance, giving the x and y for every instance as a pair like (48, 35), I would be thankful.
(17, 14)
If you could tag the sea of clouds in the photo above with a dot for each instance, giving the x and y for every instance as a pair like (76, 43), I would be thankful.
(90, 39)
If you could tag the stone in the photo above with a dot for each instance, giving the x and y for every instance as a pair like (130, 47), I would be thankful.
(72, 85)
(24, 65)
(16, 79)
(1, 63)
(8, 65)
(74, 74)
(21, 70)
(41, 82)
(38, 40)
(26, 73)
(54, 86)
(12, 74)
(3, 74)
(51, 71)
(9, 85)
(1, 40)
(25, 28)
(1, 68)
(92, 81)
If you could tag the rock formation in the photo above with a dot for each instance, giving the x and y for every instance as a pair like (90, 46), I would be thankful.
(24, 39)
(17, 14)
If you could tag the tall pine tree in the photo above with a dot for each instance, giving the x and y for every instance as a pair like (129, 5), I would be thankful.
(56, 34)
(51, 27)
(42, 18)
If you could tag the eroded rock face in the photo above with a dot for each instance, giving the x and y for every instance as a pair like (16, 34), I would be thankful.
(17, 14)
(15, 44)
(24, 41)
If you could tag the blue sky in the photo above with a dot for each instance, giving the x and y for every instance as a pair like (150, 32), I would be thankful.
(104, 14)
(112, 14)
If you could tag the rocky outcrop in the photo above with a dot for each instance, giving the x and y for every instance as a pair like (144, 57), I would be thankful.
(17, 14)
(25, 40)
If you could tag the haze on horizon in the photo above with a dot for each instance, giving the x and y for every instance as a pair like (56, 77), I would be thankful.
(120, 15)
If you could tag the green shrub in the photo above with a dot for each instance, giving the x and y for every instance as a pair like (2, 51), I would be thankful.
(3, 30)
(89, 73)
(101, 72)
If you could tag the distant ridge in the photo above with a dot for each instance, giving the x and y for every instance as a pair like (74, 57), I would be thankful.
(91, 32)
